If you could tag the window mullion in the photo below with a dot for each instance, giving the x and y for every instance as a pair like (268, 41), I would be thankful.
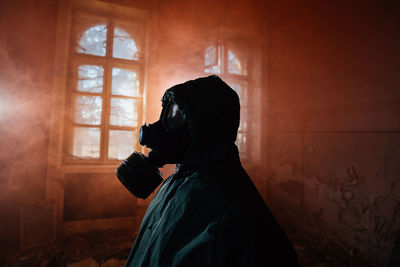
(107, 94)
(224, 59)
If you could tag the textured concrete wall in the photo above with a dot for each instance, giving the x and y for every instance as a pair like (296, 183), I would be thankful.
(333, 129)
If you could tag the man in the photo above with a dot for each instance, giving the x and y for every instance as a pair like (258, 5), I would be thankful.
(208, 213)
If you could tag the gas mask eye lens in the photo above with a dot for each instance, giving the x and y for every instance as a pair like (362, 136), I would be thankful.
(173, 111)
(173, 119)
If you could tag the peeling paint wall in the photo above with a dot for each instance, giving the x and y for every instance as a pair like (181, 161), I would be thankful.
(333, 125)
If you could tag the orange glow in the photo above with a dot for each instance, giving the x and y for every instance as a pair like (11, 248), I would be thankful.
(318, 83)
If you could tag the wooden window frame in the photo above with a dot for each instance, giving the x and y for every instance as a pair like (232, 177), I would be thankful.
(108, 62)
(222, 48)
(57, 168)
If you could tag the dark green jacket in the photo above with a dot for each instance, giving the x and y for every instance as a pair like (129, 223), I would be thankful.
(209, 213)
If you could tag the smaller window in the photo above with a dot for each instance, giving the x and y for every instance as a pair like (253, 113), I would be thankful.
(212, 59)
(232, 66)
(237, 63)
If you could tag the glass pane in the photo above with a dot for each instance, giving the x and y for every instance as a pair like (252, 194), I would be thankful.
(122, 144)
(213, 69)
(212, 60)
(237, 63)
(241, 90)
(88, 109)
(210, 56)
(93, 41)
(124, 112)
(125, 82)
(86, 142)
(243, 119)
(241, 142)
(90, 78)
(124, 46)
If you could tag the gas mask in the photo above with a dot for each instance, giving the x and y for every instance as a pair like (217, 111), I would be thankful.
(168, 139)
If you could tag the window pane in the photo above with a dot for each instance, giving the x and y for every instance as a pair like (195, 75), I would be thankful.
(93, 41)
(90, 78)
(241, 142)
(88, 110)
(213, 69)
(241, 90)
(122, 144)
(125, 82)
(124, 46)
(124, 112)
(243, 119)
(212, 60)
(237, 63)
(86, 142)
(210, 56)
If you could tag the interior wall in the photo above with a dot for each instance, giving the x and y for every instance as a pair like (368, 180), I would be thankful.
(27, 43)
(178, 33)
(333, 130)
(331, 101)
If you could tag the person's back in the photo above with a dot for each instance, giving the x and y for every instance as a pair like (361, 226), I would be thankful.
(208, 213)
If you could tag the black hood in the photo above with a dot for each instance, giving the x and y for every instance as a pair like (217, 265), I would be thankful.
(212, 111)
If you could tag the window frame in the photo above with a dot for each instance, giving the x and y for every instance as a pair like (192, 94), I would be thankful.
(108, 62)
(222, 48)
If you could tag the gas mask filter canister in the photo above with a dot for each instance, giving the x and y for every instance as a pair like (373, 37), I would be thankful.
(138, 175)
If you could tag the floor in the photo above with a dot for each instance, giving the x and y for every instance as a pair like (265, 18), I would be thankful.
(106, 249)
(111, 248)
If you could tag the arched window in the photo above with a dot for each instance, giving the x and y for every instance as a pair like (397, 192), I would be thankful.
(231, 64)
(105, 90)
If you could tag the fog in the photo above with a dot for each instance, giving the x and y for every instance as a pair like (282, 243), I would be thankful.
(319, 133)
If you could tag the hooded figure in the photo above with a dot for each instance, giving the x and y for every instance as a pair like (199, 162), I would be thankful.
(208, 213)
